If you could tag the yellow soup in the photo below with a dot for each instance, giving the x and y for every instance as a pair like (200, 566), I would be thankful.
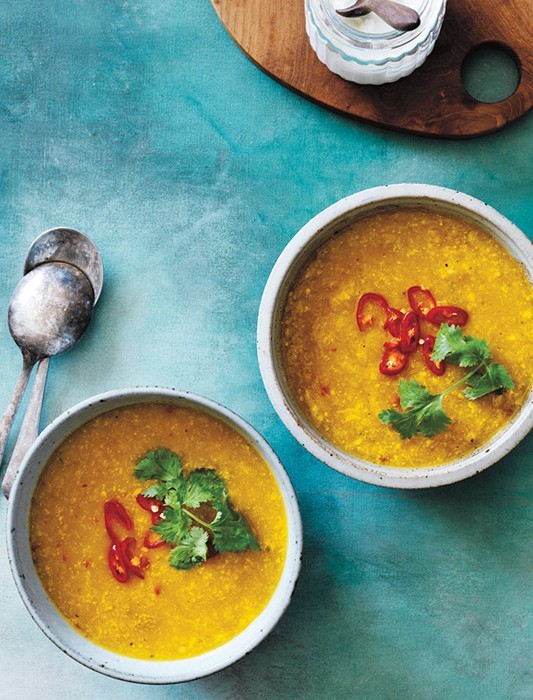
(332, 368)
(171, 613)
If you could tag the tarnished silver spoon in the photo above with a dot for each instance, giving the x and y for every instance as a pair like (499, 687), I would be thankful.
(60, 244)
(63, 244)
(49, 311)
(393, 13)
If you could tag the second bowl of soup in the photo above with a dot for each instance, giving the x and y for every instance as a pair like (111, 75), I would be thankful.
(393, 336)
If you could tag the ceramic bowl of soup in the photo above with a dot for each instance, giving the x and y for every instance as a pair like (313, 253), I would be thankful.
(362, 280)
(131, 602)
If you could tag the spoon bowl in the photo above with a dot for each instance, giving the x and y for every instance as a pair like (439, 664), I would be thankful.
(70, 246)
(50, 309)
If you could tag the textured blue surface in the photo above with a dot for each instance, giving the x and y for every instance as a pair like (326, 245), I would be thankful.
(143, 125)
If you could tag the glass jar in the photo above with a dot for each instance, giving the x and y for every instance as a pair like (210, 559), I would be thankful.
(365, 49)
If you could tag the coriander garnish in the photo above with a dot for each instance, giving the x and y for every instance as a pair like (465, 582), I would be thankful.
(422, 411)
(197, 510)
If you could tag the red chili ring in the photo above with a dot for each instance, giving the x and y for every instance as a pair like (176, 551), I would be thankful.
(392, 362)
(452, 315)
(437, 368)
(421, 300)
(409, 332)
(116, 563)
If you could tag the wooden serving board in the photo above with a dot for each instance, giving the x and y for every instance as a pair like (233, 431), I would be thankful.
(431, 101)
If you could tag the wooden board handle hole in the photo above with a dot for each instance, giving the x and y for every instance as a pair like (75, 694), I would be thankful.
(491, 72)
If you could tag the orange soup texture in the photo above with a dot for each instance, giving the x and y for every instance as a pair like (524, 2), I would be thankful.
(170, 614)
(332, 368)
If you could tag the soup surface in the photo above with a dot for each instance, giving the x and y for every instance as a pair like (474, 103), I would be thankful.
(170, 614)
(332, 368)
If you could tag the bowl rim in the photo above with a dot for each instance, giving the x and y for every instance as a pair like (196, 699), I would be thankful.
(46, 615)
(311, 236)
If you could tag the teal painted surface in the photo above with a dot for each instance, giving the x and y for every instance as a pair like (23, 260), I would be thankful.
(143, 125)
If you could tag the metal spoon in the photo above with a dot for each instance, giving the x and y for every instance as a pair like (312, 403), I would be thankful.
(70, 246)
(397, 16)
(48, 313)
(55, 245)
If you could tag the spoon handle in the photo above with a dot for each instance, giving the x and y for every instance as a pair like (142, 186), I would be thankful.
(9, 415)
(29, 429)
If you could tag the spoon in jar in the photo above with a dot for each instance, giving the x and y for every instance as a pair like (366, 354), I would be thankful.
(49, 311)
(55, 245)
(395, 15)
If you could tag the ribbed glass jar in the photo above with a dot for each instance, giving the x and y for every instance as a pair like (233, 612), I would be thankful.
(365, 49)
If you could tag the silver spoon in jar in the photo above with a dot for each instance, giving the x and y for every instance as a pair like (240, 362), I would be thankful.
(395, 15)
(49, 311)
(55, 245)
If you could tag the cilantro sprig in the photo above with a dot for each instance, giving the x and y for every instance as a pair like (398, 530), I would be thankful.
(197, 510)
(422, 411)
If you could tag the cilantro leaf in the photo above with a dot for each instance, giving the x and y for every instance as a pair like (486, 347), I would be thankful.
(203, 486)
(492, 377)
(404, 423)
(424, 414)
(413, 394)
(174, 526)
(158, 491)
(433, 419)
(231, 532)
(172, 498)
(476, 350)
(160, 464)
(449, 340)
(465, 351)
(191, 550)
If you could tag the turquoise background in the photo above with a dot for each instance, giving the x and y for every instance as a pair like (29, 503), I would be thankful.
(143, 125)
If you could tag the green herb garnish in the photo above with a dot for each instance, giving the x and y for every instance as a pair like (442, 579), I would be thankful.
(197, 513)
(422, 411)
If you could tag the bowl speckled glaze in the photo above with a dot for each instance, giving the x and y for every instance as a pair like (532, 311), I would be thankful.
(50, 620)
(289, 264)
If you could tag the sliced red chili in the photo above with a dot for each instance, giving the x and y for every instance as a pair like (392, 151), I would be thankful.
(131, 561)
(391, 344)
(404, 329)
(152, 540)
(114, 511)
(144, 501)
(365, 318)
(392, 362)
(421, 300)
(437, 368)
(394, 322)
(156, 517)
(452, 315)
(409, 332)
(117, 565)
(153, 505)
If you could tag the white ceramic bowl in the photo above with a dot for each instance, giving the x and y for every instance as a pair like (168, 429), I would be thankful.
(297, 253)
(47, 616)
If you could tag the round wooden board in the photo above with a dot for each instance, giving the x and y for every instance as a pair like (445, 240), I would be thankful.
(431, 101)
